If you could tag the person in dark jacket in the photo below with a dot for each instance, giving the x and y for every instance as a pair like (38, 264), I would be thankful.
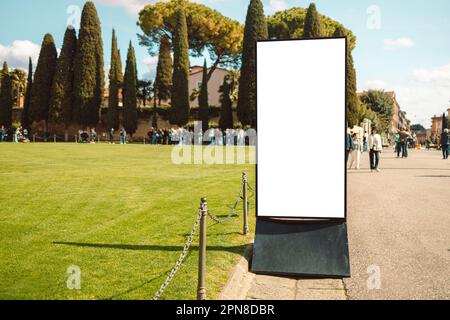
(445, 143)
(2, 133)
(348, 146)
(111, 136)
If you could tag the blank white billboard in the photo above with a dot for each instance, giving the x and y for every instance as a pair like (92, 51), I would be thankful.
(301, 128)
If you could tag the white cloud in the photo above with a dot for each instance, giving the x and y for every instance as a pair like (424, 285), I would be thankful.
(275, 5)
(16, 55)
(393, 44)
(150, 63)
(131, 6)
(375, 85)
(437, 74)
(424, 93)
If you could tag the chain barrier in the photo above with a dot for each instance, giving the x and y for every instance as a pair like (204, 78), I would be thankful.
(251, 196)
(180, 260)
(230, 214)
(190, 238)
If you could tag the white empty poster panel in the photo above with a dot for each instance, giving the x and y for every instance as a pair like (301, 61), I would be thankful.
(301, 128)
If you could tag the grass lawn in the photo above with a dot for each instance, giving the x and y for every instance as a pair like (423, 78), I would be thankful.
(119, 212)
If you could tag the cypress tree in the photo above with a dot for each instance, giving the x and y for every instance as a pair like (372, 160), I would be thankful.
(203, 110)
(89, 76)
(129, 93)
(352, 100)
(226, 112)
(26, 106)
(164, 71)
(113, 100)
(61, 103)
(119, 67)
(43, 80)
(6, 98)
(255, 29)
(313, 25)
(180, 88)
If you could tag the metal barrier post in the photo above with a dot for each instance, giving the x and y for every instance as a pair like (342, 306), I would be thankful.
(201, 288)
(54, 138)
(245, 202)
(34, 137)
(76, 140)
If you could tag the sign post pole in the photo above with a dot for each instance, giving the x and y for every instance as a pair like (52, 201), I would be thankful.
(245, 204)
(201, 288)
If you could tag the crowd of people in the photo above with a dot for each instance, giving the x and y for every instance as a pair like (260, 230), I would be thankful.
(357, 143)
(87, 136)
(187, 137)
(402, 141)
(19, 135)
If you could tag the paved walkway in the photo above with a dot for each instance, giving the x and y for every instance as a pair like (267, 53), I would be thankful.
(245, 285)
(398, 224)
(399, 221)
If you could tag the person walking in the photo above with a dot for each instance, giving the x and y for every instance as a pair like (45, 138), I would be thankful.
(445, 142)
(111, 136)
(375, 148)
(404, 140)
(348, 146)
(93, 135)
(123, 135)
(398, 147)
(365, 141)
(2, 133)
(355, 155)
(16, 135)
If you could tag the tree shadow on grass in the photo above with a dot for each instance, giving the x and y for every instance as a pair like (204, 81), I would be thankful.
(239, 249)
(135, 287)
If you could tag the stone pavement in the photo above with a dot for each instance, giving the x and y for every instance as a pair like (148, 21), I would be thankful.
(245, 285)
(398, 224)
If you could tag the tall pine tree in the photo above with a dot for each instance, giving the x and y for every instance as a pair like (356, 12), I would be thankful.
(313, 26)
(61, 103)
(43, 81)
(129, 93)
(203, 107)
(180, 88)
(226, 112)
(25, 121)
(352, 100)
(6, 98)
(89, 78)
(114, 84)
(255, 29)
(164, 71)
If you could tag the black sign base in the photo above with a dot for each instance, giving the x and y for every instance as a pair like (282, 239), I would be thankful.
(301, 248)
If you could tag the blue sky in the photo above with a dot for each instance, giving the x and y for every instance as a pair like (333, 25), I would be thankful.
(402, 45)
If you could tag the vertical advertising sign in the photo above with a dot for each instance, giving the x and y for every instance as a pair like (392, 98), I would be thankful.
(301, 128)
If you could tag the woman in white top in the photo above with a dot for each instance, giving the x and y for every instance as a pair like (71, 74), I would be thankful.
(355, 155)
